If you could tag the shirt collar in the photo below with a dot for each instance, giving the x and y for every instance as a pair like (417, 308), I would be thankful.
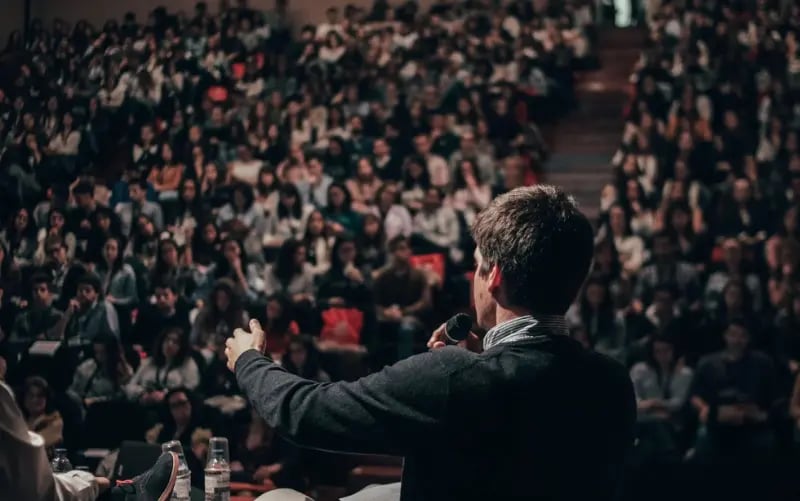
(522, 327)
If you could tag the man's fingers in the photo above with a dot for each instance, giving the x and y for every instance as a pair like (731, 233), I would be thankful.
(437, 335)
(259, 337)
(438, 344)
(238, 332)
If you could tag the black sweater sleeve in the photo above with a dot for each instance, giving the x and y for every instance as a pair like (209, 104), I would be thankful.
(388, 412)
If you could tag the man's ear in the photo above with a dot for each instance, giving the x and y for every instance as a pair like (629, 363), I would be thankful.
(495, 279)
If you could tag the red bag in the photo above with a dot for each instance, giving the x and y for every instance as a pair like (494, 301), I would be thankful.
(342, 325)
(433, 262)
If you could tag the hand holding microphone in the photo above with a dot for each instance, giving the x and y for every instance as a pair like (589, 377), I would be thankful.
(452, 332)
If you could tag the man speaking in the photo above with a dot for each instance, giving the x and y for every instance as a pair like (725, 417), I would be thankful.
(535, 416)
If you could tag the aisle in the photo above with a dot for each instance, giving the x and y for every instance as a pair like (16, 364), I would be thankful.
(584, 141)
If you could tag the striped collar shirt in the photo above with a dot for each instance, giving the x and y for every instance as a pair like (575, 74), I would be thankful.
(526, 326)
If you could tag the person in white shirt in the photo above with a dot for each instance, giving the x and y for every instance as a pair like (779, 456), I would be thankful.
(436, 227)
(331, 25)
(67, 140)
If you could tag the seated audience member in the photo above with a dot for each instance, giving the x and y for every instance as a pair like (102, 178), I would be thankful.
(733, 393)
(436, 227)
(89, 316)
(595, 311)
(279, 325)
(220, 316)
(344, 283)
(291, 274)
(733, 269)
(39, 410)
(167, 312)
(662, 386)
(103, 376)
(289, 218)
(129, 212)
(402, 299)
(181, 416)
(40, 318)
(260, 456)
(667, 268)
(169, 366)
(302, 359)
(117, 277)
(339, 213)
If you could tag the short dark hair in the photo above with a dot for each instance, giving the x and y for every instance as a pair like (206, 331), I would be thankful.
(395, 242)
(542, 244)
(138, 181)
(91, 279)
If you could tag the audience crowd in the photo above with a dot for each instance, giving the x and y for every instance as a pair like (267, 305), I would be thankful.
(165, 180)
(696, 283)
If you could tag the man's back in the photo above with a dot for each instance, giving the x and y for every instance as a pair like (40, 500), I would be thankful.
(540, 418)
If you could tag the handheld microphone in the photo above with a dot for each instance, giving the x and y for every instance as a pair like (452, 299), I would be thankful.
(457, 328)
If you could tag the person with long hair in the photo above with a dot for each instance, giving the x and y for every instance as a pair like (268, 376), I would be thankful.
(189, 213)
(166, 175)
(103, 376)
(302, 358)
(630, 248)
(117, 277)
(470, 193)
(56, 225)
(243, 219)
(595, 312)
(37, 403)
(291, 274)
(371, 241)
(206, 246)
(733, 267)
(662, 384)
(395, 216)
(170, 269)
(169, 366)
(20, 237)
(344, 283)
(318, 243)
(280, 325)
(289, 219)
(364, 187)
(339, 212)
(220, 315)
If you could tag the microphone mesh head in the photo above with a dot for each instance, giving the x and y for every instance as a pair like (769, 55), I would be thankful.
(458, 327)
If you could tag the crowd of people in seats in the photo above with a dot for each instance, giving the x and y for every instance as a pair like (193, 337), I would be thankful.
(696, 282)
(164, 180)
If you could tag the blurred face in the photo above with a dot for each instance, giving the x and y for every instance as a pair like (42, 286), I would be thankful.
(42, 295)
(86, 294)
(166, 153)
(274, 309)
(21, 220)
(316, 223)
(741, 191)
(422, 145)
(736, 339)
(169, 254)
(111, 250)
(732, 253)
(662, 353)
(231, 250)
(171, 345)
(364, 169)
(347, 252)
(189, 192)
(300, 256)
(288, 199)
(617, 220)
(209, 233)
(733, 297)
(372, 226)
(662, 249)
(222, 299)
(180, 408)
(35, 401)
(165, 299)
(136, 192)
(100, 354)
(432, 200)
(680, 219)
(336, 196)
(298, 354)
(595, 294)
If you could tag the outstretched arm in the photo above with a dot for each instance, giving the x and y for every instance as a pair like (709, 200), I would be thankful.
(387, 412)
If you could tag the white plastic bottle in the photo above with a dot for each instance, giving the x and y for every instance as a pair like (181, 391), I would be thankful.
(183, 483)
(218, 471)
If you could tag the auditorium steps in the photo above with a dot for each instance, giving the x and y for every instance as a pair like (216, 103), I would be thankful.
(584, 141)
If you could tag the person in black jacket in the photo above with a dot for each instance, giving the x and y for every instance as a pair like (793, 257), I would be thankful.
(535, 416)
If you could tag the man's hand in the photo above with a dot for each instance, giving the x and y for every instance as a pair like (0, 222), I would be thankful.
(241, 341)
(439, 340)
